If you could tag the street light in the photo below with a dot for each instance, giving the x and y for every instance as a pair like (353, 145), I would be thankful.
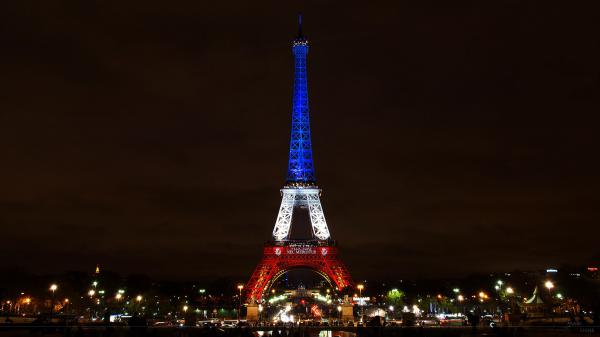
(91, 294)
(461, 298)
(482, 296)
(53, 288)
(360, 287)
(138, 299)
(240, 287)
(511, 300)
(185, 308)
(549, 285)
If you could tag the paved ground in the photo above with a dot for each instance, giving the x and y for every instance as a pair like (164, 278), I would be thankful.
(298, 332)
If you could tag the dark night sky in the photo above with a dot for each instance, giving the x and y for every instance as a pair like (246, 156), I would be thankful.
(148, 136)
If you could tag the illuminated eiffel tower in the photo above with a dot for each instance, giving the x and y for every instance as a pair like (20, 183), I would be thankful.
(300, 191)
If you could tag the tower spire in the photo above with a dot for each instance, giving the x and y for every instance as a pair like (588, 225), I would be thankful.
(300, 26)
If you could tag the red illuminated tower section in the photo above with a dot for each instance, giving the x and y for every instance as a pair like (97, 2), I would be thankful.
(278, 259)
(318, 253)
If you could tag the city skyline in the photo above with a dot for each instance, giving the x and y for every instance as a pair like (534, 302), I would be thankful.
(158, 144)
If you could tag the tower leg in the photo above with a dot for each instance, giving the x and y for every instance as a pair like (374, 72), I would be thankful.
(317, 217)
(263, 273)
(338, 272)
(284, 217)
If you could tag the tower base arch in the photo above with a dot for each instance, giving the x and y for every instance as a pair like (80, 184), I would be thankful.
(279, 258)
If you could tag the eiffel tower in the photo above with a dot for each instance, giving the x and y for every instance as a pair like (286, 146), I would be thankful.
(284, 253)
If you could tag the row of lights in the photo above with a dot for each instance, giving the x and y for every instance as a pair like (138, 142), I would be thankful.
(92, 292)
(482, 295)
(118, 296)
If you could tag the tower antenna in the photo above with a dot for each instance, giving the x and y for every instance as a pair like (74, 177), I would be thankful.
(300, 25)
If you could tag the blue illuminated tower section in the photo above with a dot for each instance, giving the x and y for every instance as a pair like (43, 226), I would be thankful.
(301, 168)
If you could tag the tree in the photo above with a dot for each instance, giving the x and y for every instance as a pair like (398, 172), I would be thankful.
(394, 297)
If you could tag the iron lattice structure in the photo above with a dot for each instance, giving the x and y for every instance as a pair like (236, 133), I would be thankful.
(293, 197)
(300, 191)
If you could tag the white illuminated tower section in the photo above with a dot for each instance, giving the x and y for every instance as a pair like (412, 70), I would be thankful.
(300, 189)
